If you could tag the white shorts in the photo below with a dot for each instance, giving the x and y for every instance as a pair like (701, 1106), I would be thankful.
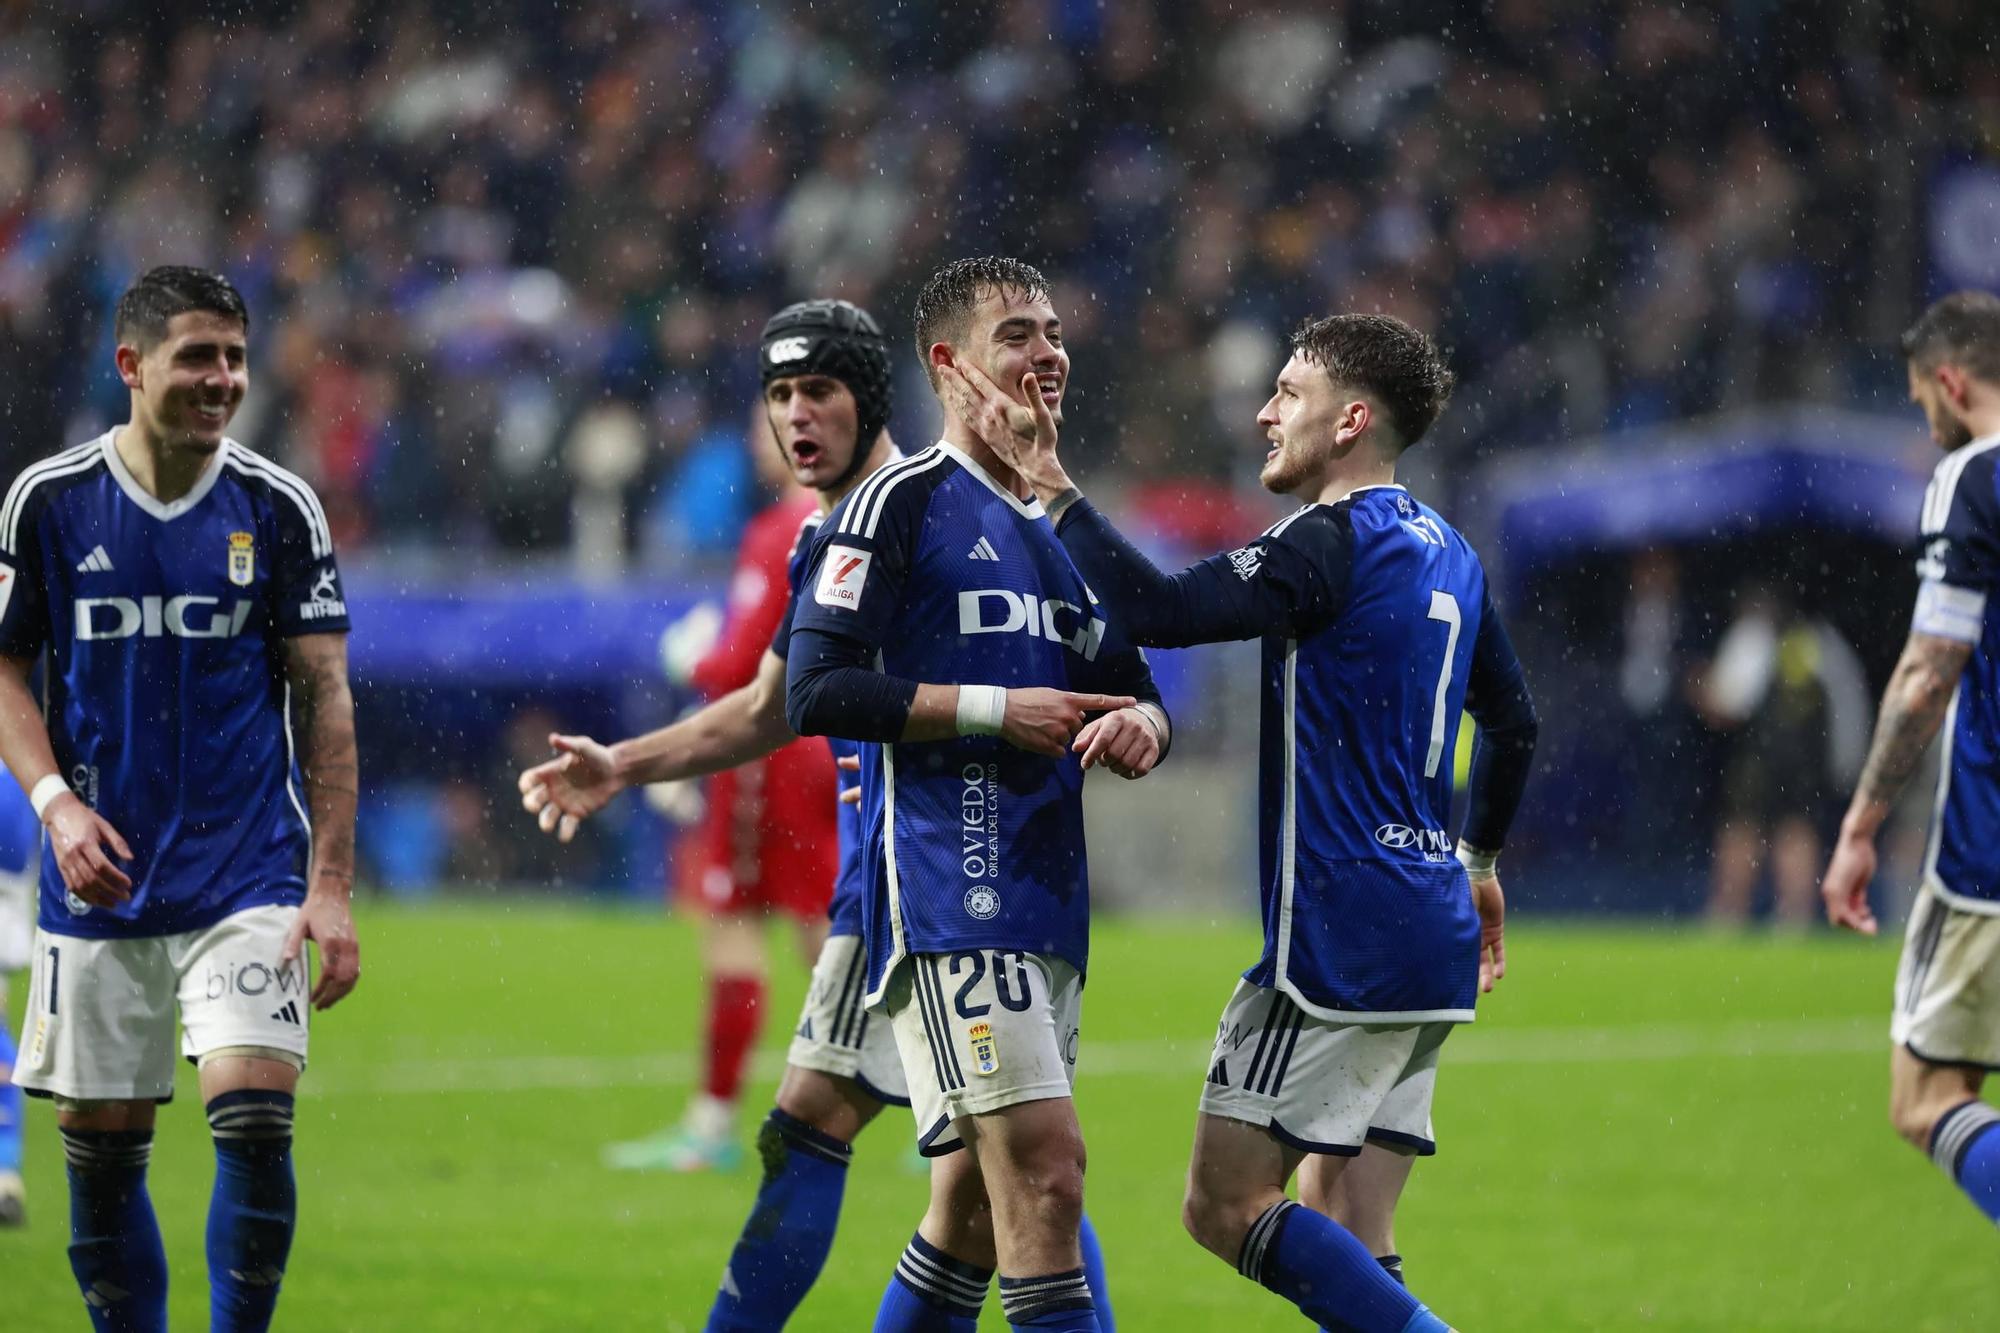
(1948, 985)
(836, 1033)
(1319, 1085)
(100, 1015)
(981, 1030)
(18, 899)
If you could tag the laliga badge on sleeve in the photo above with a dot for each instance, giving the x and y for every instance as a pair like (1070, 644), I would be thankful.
(242, 559)
(841, 576)
(985, 1052)
(7, 576)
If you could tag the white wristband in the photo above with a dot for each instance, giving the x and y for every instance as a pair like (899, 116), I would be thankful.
(981, 710)
(46, 791)
(1478, 864)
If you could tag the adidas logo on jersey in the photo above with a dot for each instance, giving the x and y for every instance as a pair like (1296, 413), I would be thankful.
(288, 1014)
(97, 562)
(982, 550)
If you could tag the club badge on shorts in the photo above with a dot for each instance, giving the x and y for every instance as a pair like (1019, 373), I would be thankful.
(242, 559)
(985, 1052)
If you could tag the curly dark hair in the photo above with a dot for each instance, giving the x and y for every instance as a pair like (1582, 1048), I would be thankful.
(1962, 329)
(1386, 359)
(150, 303)
(955, 289)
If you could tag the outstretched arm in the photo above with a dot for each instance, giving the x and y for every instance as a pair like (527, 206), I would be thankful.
(1913, 707)
(742, 725)
(323, 711)
(1262, 588)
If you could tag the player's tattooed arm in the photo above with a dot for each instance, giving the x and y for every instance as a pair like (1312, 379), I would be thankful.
(323, 712)
(323, 717)
(1913, 708)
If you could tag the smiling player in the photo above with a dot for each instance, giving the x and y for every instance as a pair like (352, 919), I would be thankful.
(182, 597)
(1377, 628)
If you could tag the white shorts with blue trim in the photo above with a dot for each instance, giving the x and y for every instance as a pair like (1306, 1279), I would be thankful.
(981, 1030)
(836, 1033)
(100, 1017)
(1948, 985)
(1323, 1086)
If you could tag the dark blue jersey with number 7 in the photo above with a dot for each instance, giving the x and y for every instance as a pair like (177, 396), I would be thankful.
(1377, 631)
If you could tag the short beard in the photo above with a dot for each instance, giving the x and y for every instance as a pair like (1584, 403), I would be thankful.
(1956, 434)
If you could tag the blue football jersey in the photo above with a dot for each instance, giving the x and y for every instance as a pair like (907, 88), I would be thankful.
(1376, 630)
(165, 693)
(947, 577)
(1959, 569)
(844, 911)
(1366, 909)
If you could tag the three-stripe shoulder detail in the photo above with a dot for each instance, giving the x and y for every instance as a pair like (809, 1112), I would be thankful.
(863, 509)
(290, 485)
(1277, 529)
(1944, 484)
(76, 459)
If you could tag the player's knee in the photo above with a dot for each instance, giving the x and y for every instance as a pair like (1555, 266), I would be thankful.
(1215, 1223)
(1913, 1119)
(827, 1105)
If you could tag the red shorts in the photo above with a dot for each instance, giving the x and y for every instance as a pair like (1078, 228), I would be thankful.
(769, 841)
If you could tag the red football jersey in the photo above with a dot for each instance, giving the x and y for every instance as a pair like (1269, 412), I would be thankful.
(768, 839)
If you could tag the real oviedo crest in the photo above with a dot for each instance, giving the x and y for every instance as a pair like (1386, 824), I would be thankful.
(242, 559)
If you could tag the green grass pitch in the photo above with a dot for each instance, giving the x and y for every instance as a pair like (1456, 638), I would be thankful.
(1647, 1129)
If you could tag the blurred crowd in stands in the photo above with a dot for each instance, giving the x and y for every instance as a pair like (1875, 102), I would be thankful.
(508, 259)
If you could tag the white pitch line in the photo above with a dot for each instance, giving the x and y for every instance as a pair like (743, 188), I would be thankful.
(1642, 1043)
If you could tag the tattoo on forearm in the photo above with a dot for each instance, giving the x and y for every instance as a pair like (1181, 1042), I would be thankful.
(323, 710)
(1912, 709)
(1062, 502)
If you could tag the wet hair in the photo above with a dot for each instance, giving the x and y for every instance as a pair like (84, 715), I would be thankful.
(952, 292)
(1400, 368)
(1962, 329)
(150, 304)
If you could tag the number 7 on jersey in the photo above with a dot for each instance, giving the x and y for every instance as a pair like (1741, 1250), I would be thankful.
(1443, 607)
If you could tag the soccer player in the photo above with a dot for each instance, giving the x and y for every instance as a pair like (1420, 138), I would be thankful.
(825, 369)
(182, 596)
(947, 626)
(766, 844)
(20, 866)
(1946, 1027)
(1377, 628)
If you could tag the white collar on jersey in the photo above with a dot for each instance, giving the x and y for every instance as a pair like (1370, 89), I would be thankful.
(145, 499)
(1027, 509)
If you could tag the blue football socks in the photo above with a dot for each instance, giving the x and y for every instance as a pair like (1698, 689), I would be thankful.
(253, 1210)
(932, 1293)
(12, 1106)
(114, 1239)
(1093, 1271)
(1964, 1145)
(1318, 1265)
(790, 1229)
